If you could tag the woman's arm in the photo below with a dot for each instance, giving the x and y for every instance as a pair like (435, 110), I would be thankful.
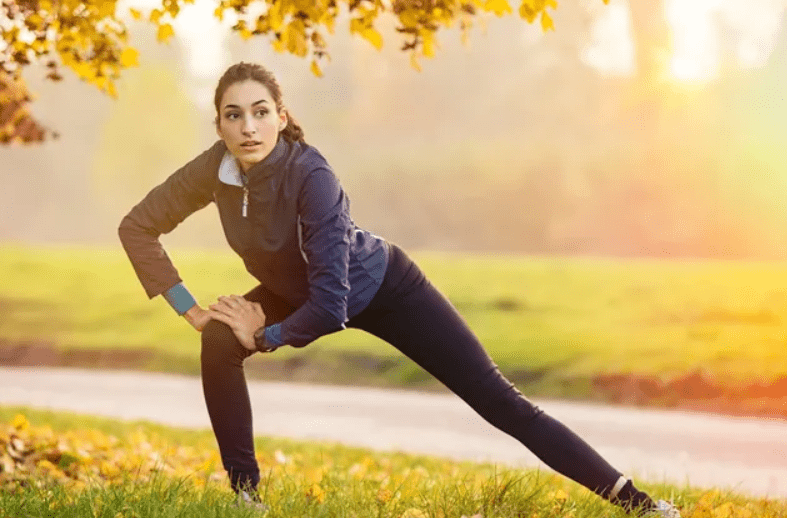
(187, 190)
(327, 229)
(197, 317)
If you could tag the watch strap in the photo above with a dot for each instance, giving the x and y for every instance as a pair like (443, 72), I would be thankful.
(261, 343)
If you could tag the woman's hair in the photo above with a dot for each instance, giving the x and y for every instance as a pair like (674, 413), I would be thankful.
(253, 72)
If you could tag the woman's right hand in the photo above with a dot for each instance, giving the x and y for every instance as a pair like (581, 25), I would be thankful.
(197, 317)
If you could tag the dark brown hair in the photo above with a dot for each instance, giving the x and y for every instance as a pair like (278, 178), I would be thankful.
(253, 72)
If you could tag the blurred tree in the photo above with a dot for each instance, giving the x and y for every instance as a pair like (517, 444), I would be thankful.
(142, 137)
(16, 123)
(645, 97)
(90, 37)
(651, 38)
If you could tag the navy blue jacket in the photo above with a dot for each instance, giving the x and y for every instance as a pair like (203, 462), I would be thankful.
(295, 234)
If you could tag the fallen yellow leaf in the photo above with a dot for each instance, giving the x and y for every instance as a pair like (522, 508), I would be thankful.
(20, 422)
(315, 492)
(383, 496)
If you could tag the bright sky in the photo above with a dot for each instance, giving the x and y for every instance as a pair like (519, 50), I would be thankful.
(203, 35)
(700, 29)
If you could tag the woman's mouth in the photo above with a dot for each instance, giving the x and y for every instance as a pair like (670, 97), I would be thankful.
(250, 144)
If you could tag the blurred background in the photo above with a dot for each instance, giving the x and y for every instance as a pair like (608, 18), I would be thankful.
(635, 129)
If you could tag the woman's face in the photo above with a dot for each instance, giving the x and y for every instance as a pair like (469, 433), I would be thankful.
(248, 122)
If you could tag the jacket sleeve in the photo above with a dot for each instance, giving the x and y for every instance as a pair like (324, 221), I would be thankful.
(187, 190)
(325, 219)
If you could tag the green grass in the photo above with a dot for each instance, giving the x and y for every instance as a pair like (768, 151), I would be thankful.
(556, 322)
(298, 479)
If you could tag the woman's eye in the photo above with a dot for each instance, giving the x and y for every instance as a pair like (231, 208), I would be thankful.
(262, 113)
(232, 116)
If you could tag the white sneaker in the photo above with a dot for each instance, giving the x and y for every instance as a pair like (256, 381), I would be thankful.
(663, 509)
(246, 500)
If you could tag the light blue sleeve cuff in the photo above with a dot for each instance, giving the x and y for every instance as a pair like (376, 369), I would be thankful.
(273, 335)
(179, 298)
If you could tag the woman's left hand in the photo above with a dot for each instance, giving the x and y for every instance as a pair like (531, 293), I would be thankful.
(243, 317)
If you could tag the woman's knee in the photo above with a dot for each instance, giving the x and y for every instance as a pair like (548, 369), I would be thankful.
(219, 342)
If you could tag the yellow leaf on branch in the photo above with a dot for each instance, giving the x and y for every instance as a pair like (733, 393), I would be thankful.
(409, 18)
(374, 37)
(106, 9)
(499, 7)
(165, 32)
(129, 57)
(275, 16)
(83, 70)
(329, 21)
(90, 37)
(35, 21)
(100, 81)
(155, 15)
(111, 90)
(546, 22)
(173, 9)
(356, 25)
(428, 43)
(294, 36)
(414, 61)
(316, 69)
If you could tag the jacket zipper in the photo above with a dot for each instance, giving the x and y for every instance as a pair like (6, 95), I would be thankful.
(245, 209)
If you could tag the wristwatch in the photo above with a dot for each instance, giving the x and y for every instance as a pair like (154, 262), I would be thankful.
(261, 343)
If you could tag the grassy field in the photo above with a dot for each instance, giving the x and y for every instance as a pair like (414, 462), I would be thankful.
(59, 465)
(552, 324)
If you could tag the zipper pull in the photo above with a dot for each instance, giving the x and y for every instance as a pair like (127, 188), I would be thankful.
(245, 201)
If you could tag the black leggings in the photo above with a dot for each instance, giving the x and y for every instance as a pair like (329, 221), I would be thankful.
(412, 315)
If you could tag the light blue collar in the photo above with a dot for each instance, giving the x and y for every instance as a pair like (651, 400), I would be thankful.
(229, 172)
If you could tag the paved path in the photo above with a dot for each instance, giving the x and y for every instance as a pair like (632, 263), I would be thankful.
(749, 455)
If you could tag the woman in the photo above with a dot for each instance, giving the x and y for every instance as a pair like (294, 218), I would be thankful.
(284, 212)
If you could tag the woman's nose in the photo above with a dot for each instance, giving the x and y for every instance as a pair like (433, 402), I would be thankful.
(248, 127)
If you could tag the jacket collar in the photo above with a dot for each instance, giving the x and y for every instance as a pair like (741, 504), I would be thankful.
(230, 173)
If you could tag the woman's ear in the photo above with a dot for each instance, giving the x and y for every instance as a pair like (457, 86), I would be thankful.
(282, 120)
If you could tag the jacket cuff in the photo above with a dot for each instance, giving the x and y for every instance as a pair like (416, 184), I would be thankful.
(179, 298)
(273, 335)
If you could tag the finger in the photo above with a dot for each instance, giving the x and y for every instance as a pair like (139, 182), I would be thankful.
(241, 302)
(222, 303)
(221, 317)
(229, 300)
(224, 310)
(227, 303)
(219, 306)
